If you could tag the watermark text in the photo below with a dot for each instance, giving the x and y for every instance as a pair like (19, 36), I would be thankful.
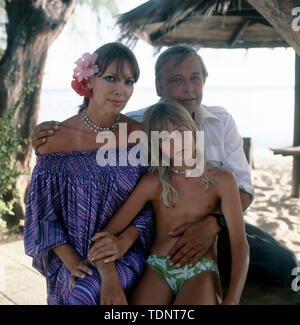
(296, 20)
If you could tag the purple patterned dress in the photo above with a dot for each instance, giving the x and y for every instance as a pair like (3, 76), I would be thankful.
(71, 198)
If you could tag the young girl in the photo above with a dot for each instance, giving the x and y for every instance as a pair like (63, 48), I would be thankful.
(179, 197)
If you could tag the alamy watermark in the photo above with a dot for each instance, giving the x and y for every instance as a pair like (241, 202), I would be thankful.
(296, 281)
(296, 21)
(187, 149)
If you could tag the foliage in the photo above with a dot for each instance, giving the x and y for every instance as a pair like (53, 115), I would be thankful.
(10, 142)
(10, 146)
(3, 20)
(95, 5)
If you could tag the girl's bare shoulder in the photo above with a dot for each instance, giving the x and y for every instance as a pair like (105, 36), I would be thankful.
(221, 177)
(151, 182)
(151, 179)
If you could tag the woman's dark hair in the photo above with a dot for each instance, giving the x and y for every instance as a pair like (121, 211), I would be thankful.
(114, 52)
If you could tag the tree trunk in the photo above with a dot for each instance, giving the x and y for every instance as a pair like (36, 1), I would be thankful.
(279, 14)
(32, 27)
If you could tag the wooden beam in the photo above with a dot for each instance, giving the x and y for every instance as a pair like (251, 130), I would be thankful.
(238, 33)
(279, 14)
(296, 159)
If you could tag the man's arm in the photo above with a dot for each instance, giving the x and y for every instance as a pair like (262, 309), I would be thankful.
(42, 131)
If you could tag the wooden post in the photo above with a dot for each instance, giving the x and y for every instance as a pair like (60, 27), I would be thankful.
(248, 150)
(296, 160)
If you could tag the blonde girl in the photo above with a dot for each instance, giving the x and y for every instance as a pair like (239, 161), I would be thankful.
(179, 197)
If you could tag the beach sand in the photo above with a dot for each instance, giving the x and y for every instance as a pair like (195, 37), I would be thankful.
(273, 208)
(275, 211)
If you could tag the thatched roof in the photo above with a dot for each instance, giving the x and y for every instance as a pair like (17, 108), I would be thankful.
(205, 23)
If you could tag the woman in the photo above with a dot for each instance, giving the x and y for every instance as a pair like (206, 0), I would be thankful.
(71, 197)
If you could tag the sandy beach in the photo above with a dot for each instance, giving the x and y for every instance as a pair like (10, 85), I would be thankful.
(273, 208)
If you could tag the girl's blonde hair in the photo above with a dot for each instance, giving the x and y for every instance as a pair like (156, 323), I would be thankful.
(158, 117)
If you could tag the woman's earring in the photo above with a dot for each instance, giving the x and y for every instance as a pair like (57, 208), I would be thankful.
(91, 92)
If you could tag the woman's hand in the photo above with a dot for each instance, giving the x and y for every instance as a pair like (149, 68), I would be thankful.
(80, 270)
(42, 131)
(112, 293)
(107, 247)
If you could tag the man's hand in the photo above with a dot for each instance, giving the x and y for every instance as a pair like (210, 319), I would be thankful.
(195, 241)
(42, 131)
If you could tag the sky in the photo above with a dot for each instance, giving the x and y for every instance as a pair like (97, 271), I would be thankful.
(239, 67)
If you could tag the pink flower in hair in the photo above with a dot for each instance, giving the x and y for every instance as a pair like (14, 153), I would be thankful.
(86, 66)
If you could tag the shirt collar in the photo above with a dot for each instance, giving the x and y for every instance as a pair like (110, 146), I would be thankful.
(203, 113)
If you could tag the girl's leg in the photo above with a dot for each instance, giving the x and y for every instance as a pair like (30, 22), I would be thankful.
(201, 289)
(152, 290)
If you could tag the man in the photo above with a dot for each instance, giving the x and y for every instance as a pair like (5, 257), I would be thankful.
(180, 75)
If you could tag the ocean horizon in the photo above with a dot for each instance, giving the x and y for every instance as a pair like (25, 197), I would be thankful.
(264, 113)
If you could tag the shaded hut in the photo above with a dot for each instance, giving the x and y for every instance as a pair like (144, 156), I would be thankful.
(227, 24)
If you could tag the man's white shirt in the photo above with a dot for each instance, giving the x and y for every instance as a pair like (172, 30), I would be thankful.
(223, 145)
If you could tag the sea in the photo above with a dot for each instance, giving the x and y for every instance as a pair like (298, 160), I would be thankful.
(263, 113)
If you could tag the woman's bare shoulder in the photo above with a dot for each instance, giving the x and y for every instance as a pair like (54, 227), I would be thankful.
(60, 141)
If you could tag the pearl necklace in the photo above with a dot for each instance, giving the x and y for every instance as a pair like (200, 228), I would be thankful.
(186, 172)
(96, 128)
(180, 172)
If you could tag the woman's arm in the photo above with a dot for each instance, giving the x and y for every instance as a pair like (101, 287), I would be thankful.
(232, 210)
(77, 267)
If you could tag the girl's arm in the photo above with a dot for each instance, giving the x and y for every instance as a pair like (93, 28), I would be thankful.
(146, 190)
(112, 291)
(232, 210)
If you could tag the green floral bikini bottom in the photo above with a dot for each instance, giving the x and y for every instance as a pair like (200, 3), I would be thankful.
(176, 277)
